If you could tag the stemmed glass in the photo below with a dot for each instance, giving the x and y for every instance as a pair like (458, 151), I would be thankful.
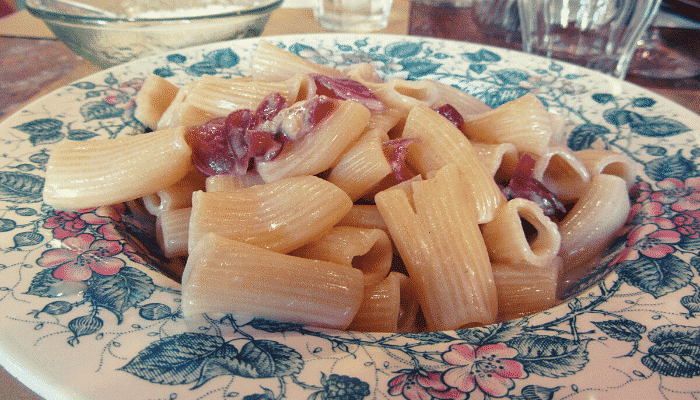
(654, 59)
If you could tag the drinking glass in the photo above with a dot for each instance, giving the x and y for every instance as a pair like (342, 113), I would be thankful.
(654, 59)
(352, 15)
(598, 34)
(491, 22)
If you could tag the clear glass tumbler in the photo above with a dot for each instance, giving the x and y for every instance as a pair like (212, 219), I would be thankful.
(352, 15)
(491, 22)
(598, 34)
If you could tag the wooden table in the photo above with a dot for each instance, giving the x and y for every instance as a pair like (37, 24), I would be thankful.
(35, 63)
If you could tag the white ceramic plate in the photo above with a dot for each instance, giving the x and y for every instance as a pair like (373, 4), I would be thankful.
(121, 336)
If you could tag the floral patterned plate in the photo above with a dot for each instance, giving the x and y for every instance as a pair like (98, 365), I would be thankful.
(87, 313)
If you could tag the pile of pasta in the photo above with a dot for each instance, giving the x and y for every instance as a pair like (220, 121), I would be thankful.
(326, 234)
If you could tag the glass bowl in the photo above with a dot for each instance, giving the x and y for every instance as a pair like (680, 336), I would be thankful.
(108, 33)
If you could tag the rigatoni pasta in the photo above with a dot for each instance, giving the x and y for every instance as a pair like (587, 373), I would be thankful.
(176, 196)
(352, 203)
(361, 168)
(280, 216)
(227, 276)
(608, 162)
(388, 306)
(500, 159)
(153, 99)
(441, 143)
(210, 97)
(437, 235)
(316, 153)
(562, 173)
(524, 290)
(521, 234)
(524, 122)
(172, 231)
(368, 250)
(109, 171)
(594, 220)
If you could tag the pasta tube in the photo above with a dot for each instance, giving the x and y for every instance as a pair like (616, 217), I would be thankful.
(524, 290)
(562, 173)
(382, 123)
(270, 63)
(404, 95)
(388, 306)
(360, 168)
(608, 162)
(224, 183)
(320, 149)
(280, 216)
(211, 97)
(500, 159)
(364, 216)
(441, 143)
(592, 224)
(508, 242)
(153, 99)
(368, 250)
(176, 196)
(98, 172)
(226, 276)
(444, 252)
(524, 122)
(172, 231)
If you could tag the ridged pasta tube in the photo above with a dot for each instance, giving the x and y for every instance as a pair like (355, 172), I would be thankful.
(172, 231)
(524, 290)
(227, 276)
(360, 168)
(594, 221)
(608, 162)
(445, 255)
(176, 196)
(441, 143)
(368, 250)
(153, 99)
(270, 63)
(321, 148)
(562, 173)
(210, 97)
(388, 306)
(280, 216)
(524, 122)
(500, 159)
(508, 242)
(109, 171)
(364, 216)
(404, 95)
(225, 183)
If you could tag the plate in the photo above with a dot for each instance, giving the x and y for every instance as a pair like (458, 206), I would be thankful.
(122, 335)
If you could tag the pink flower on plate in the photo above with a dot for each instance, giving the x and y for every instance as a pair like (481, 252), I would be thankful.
(683, 196)
(649, 212)
(82, 255)
(688, 223)
(482, 371)
(648, 240)
(422, 385)
(65, 224)
(124, 96)
(103, 215)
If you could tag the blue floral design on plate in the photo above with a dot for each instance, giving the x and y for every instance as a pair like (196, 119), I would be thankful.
(87, 291)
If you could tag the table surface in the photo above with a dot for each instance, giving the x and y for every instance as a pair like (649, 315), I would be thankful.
(34, 63)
